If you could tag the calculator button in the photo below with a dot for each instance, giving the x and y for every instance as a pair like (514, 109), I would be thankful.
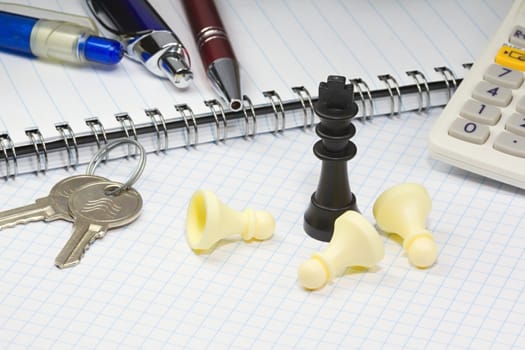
(492, 94)
(511, 57)
(503, 76)
(516, 124)
(520, 106)
(480, 112)
(469, 131)
(510, 144)
(517, 36)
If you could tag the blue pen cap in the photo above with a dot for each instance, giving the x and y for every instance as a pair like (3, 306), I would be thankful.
(103, 50)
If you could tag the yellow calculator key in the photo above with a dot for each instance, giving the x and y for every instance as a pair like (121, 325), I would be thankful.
(511, 57)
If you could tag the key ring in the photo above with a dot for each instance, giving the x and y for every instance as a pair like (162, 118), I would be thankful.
(104, 151)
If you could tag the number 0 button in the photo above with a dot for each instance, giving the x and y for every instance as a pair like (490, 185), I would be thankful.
(469, 131)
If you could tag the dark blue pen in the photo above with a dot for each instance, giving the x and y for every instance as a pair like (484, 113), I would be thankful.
(148, 38)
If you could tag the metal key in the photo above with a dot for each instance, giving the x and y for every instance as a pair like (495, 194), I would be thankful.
(53, 207)
(95, 212)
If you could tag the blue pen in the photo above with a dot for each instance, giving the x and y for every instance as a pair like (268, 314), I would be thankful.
(148, 39)
(60, 40)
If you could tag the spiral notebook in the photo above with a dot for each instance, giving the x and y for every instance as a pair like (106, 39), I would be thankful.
(55, 115)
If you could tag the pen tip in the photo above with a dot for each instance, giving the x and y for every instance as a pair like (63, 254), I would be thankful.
(177, 71)
(235, 105)
(224, 76)
(102, 50)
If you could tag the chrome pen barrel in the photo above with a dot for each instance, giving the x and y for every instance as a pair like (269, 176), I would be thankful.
(162, 54)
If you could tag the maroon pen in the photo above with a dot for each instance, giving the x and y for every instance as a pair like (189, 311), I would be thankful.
(215, 50)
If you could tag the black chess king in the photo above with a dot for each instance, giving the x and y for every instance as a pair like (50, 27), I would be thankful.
(336, 108)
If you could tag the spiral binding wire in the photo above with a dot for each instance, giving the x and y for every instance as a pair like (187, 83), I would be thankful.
(36, 138)
(221, 120)
(448, 75)
(276, 99)
(6, 143)
(216, 109)
(97, 129)
(157, 120)
(248, 107)
(306, 101)
(419, 79)
(359, 84)
(187, 113)
(128, 126)
(68, 135)
(391, 83)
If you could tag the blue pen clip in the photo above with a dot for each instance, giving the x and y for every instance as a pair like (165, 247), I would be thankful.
(55, 35)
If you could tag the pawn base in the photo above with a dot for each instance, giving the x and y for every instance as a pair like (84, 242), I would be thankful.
(319, 220)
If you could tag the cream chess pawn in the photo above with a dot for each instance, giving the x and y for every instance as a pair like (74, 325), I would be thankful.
(209, 221)
(403, 210)
(355, 243)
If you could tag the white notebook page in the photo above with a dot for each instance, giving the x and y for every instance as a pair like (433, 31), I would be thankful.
(279, 44)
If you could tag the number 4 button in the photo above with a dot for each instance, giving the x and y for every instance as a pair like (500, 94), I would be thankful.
(492, 94)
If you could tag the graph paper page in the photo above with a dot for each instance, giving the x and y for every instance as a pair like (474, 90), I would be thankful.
(143, 287)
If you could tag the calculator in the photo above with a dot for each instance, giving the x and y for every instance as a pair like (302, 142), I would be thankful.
(482, 127)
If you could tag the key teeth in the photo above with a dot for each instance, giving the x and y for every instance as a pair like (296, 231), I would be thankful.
(69, 262)
(20, 222)
(12, 224)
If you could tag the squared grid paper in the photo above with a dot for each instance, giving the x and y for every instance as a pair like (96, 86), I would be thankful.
(143, 287)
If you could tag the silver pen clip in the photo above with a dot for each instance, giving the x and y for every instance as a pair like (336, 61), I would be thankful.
(160, 51)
